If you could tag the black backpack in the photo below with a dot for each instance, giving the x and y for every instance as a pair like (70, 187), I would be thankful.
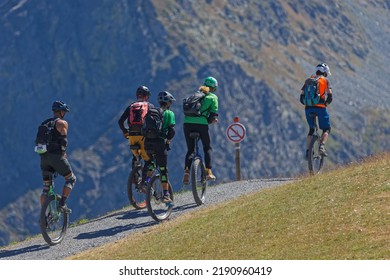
(152, 127)
(192, 104)
(43, 140)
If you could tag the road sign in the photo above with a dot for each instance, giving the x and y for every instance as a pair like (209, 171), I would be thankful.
(236, 132)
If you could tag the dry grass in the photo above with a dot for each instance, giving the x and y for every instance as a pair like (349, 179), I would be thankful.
(344, 214)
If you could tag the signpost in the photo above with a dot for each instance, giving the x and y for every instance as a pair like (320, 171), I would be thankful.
(236, 133)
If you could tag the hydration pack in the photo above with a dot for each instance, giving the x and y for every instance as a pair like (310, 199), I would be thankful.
(192, 104)
(311, 93)
(44, 138)
(138, 111)
(152, 126)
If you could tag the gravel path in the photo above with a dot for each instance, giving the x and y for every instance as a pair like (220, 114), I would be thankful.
(121, 223)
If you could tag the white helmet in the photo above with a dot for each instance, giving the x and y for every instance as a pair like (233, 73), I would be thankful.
(323, 68)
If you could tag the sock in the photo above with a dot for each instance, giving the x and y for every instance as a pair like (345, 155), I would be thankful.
(63, 200)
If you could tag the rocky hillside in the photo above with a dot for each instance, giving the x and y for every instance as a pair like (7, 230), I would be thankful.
(94, 56)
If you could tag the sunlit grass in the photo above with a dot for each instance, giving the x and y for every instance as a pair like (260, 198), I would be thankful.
(344, 214)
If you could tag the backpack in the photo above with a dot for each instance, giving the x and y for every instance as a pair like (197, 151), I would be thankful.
(311, 94)
(43, 140)
(152, 127)
(138, 111)
(192, 104)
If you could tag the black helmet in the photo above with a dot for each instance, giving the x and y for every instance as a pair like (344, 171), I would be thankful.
(59, 106)
(142, 90)
(166, 97)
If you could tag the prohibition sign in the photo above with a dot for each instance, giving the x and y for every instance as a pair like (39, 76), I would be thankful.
(236, 132)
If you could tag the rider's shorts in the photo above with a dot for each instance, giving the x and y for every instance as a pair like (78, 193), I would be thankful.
(51, 163)
(323, 117)
(139, 139)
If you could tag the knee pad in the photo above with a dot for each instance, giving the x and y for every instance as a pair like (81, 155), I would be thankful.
(311, 131)
(47, 181)
(164, 174)
(70, 181)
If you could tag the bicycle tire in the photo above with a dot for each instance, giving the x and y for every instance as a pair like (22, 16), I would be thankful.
(135, 194)
(157, 209)
(315, 160)
(53, 223)
(198, 181)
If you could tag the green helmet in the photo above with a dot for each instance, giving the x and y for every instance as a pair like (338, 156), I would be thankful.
(211, 82)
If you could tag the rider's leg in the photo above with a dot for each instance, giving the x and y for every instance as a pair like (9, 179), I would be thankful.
(324, 124)
(70, 181)
(47, 172)
(308, 138)
(206, 143)
(162, 161)
(47, 181)
(325, 135)
(188, 128)
(62, 166)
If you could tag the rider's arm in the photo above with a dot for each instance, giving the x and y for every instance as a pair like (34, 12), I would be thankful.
(329, 93)
(213, 116)
(62, 128)
(170, 120)
(122, 119)
(329, 97)
(171, 132)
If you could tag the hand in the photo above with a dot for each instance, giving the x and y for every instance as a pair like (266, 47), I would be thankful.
(301, 99)
(167, 144)
(125, 134)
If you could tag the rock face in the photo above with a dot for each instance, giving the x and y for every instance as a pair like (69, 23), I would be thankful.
(94, 55)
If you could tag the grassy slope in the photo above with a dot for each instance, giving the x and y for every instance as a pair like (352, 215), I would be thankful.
(344, 214)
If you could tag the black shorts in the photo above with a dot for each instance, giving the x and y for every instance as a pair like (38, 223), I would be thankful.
(51, 163)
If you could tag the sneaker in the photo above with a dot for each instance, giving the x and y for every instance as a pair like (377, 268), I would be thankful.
(64, 209)
(209, 175)
(186, 177)
(322, 150)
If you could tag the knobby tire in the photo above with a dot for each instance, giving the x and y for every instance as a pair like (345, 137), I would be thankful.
(53, 223)
(157, 209)
(315, 160)
(198, 181)
(136, 197)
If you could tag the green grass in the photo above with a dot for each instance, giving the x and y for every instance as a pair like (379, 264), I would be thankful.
(79, 222)
(343, 214)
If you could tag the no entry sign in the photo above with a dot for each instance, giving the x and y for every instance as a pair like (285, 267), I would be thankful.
(236, 132)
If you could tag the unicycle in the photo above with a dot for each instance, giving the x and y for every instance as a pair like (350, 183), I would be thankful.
(158, 209)
(53, 222)
(198, 173)
(315, 159)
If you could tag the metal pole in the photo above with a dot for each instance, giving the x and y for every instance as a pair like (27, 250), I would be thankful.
(238, 169)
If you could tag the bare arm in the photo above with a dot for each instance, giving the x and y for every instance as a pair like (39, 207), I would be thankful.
(62, 127)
